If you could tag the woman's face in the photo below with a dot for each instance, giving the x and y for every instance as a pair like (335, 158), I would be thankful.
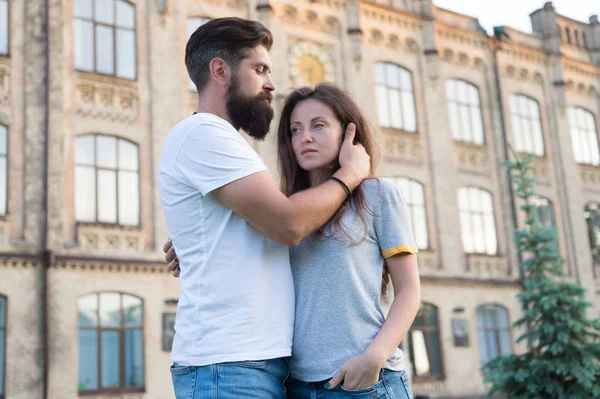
(316, 135)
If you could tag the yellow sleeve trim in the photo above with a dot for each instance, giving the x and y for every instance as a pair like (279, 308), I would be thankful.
(400, 249)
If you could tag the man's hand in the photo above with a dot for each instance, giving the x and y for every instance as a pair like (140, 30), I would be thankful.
(357, 373)
(355, 163)
(171, 257)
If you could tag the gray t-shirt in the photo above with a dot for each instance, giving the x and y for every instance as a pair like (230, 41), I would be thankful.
(337, 285)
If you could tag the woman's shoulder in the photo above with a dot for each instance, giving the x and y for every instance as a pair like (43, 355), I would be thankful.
(379, 188)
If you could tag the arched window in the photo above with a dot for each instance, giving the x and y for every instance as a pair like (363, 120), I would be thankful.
(584, 136)
(395, 98)
(4, 27)
(104, 37)
(415, 201)
(464, 110)
(3, 170)
(106, 180)
(526, 124)
(545, 213)
(493, 332)
(111, 349)
(477, 223)
(424, 343)
(592, 218)
(192, 25)
(2, 344)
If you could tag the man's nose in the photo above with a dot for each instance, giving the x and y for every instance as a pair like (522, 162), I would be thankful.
(269, 84)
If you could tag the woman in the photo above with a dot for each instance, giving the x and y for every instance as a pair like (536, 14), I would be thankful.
(339, 329)
(343, 346)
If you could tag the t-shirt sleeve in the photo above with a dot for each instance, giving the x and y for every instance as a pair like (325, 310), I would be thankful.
(393, 223)
(215, 155)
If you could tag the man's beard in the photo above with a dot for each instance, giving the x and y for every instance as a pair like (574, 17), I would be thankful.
(253, 114)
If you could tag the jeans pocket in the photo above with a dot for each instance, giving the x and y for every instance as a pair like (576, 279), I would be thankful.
(406, 384)
(180, 370)
(370, 389)
(250, 364)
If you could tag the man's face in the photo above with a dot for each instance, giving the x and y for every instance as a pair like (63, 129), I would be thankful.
(249, 102)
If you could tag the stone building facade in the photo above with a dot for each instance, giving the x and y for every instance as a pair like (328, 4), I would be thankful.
(90, 88)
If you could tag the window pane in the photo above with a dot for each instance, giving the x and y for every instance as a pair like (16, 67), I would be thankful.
(129, 208)
(491, 243)
(420, 227)
(494, 345)
(408, 111)
(126, 53)
(420, 355)
(84, 152)
(106, 152)
(478, 233)
(406, 80)
(125, 14)
(517, 132)
(465, 123)
(538, 141)
(392, 76)
(380, 73)
(104, 49)
(110, 359)
(107, 197)
(128, 155)
(505, 345)
(3, 185)
(83, 45)
(132, 311)
(83, 8)
(395, 110)
(4, 24)
(382, 106)
(476, 126)
(85, 194)
(475, 196)
(501, 317)
(467, 233)
(134, 359)
(87, 309)
(483, 347)
(110, 310)
(104, 11)
(454, 121)
(435, 353)
(88, 360)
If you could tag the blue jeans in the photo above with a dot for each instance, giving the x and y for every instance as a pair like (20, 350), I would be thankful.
(256, 379)
(391, 385)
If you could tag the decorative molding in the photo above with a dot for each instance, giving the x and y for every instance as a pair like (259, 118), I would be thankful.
(473, 159)
(403, 147)
(472, 38)
(580, 88)
(107, 98)
(109, 265)
(392, 17)
(428, 263)
(590, 177)
(4, 81)
(488, 267)
(524, 53)
(310, 19)
(541, 171)
(339, 4)
(94, 238)
(463, 59)
(239, 4)
(319, 53)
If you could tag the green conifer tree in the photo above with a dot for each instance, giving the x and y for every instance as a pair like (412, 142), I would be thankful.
(562, 360)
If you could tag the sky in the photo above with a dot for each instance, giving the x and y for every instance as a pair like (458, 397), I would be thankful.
(515, 13)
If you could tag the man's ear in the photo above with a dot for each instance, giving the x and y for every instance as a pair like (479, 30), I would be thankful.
(220, 71)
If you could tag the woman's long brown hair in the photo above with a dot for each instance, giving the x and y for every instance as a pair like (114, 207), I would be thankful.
(294, 178)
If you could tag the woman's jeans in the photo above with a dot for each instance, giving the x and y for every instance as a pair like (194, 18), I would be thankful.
(257, 379)
(391, 384)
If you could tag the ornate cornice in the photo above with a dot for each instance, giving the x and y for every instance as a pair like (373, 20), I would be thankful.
(309, 19)
(389, 16)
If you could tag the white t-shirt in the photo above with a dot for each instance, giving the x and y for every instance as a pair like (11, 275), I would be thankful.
(237, 294)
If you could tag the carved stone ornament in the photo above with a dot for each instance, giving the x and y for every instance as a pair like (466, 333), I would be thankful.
(102, 99)
(473, 159)
(487, 267)
(590, 177)
(99, 238)
(4, 83)
(402, 147)
(309, 63)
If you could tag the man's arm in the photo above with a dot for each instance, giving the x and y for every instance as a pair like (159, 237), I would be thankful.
(288, 221)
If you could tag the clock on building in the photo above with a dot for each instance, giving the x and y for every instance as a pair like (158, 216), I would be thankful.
(309, 63)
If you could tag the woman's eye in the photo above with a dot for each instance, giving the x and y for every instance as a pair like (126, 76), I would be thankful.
(295, 130)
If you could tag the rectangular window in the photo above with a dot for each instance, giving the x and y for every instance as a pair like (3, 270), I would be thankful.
(4, 27)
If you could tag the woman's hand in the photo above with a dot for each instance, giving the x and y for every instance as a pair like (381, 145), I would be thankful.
(357, 373)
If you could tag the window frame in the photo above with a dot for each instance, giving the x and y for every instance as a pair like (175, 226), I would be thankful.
(396, 180)
(5, 345)
(116, 170)
(496, 330)
(516, 96)
(400, 90)
(6, 212)
(573, 112)
(482, 215)
(595, 256)
(8, 24)
(114, 31)
(437, 329)
(471, 108)
(121, 330)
